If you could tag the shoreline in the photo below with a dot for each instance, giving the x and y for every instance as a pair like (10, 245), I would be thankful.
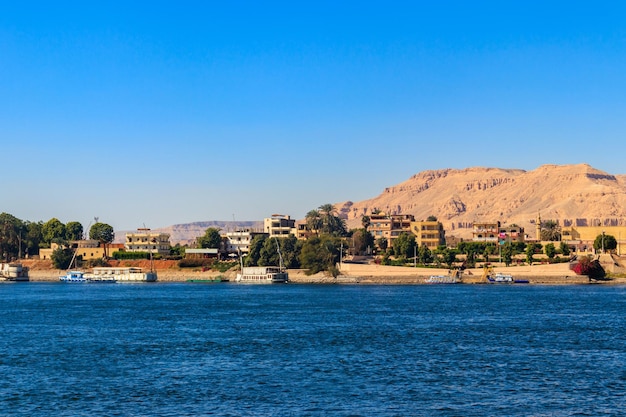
(557, 274)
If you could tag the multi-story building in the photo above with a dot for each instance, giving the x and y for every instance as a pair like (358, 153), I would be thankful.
(279, 225)
(485, 231)
(389, 226)
(239, 241)
(302, 230)
(428, 233)
(143, 240)
(511, 233)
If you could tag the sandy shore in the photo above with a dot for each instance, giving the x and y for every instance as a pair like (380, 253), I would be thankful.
(370, 274)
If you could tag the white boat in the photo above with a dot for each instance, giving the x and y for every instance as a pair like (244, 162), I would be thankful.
(499, 277)
(14, 272)
(122, 274)
(82, 277)
(262, 275)
(443, 279)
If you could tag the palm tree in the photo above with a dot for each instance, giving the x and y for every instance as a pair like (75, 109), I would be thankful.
(331, 222)
(550, 231)
(366, 222)
(313, 221)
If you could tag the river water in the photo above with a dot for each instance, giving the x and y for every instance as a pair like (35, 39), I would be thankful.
(305, 350)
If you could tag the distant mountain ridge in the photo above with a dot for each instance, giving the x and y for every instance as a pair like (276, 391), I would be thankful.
(187, 233)
(570, 194)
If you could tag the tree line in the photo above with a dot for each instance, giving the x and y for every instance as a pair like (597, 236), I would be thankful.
(21, 239)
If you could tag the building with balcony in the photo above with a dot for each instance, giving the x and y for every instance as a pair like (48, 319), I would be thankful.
(428, 233)
(144, 240)
(279, 225)
(485, 231)
(389, 226)
(239, 241)
(511, 233)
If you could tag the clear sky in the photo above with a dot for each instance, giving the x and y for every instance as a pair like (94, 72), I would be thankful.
(157, 113)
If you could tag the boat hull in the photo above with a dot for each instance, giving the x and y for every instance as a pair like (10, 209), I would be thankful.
(262, 275)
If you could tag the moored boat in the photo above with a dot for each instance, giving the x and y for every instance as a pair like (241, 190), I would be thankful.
(501, 278)
(14, 271)
(262, 275)
(123, 274)
(82, 277)
(453, 278)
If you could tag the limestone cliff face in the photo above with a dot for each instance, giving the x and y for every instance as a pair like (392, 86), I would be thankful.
(569, 194)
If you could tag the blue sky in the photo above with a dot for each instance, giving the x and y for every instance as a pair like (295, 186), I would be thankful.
(160, 113)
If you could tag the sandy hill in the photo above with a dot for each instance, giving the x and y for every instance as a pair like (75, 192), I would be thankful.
(570, 194)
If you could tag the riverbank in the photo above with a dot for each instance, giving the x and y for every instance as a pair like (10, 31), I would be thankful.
(357, 273)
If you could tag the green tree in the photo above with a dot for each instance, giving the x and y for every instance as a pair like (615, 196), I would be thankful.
(404, 245)
(488, 250)
(53, 231)
(424, 255)
(275, 248)
(211, 239)
(290, 248)
(12, 230)
(313, 221)
(564, 247)
(320, 253)
(254, 251)
(608, 242)
(34, 238)
(431, 218)
(177, 250)
(362, 240)
(507, 253)
(74, 231)
(62, 257)
(449, 256)
(530, 252)
(550, 250)
(332, 224)
(103, 233)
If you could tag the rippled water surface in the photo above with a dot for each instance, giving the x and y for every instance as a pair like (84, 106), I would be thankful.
(296, 350)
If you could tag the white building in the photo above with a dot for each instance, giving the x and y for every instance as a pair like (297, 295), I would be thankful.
(143, 240)
(239, 240)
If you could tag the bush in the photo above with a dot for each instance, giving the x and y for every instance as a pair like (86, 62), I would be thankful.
(120, 255)
(592, 269)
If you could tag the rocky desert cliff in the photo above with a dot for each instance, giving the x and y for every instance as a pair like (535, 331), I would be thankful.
(569, 194)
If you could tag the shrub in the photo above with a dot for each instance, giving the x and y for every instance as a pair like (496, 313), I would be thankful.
(120, 255)
(592, 269)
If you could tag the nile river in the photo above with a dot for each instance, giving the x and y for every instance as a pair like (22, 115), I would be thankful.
(302, 350)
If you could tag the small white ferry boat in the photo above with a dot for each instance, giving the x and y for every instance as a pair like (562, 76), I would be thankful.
(262, 275)
(14, 272)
